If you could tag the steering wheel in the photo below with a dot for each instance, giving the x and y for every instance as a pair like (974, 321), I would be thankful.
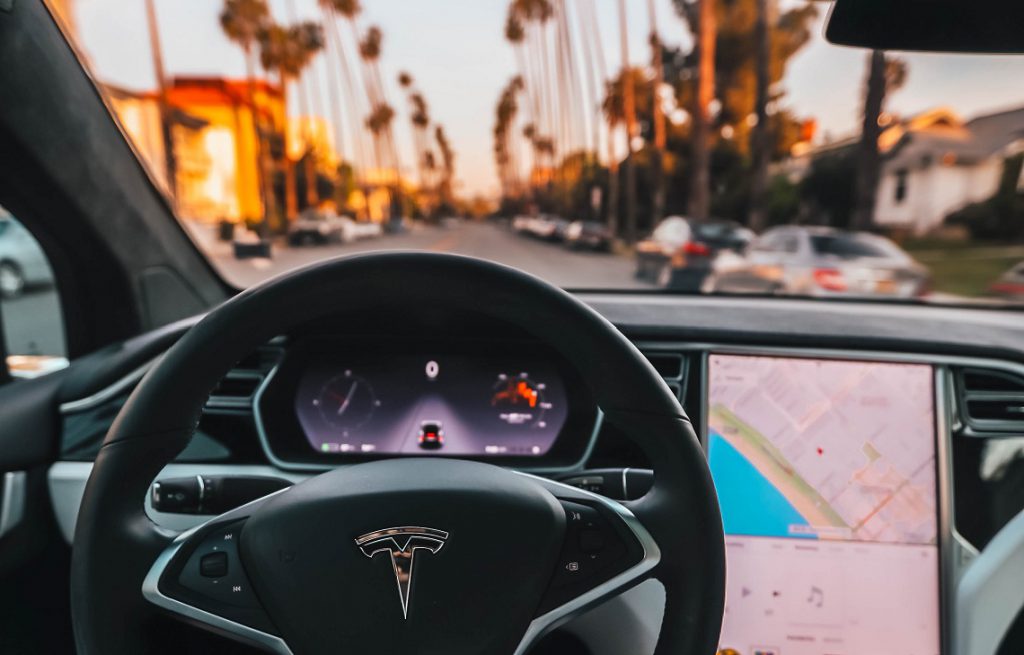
(500, 557)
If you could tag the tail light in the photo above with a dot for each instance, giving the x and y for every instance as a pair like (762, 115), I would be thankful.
(829, 279)
(695, 248)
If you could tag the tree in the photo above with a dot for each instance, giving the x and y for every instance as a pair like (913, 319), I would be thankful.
(700, 175)
(629, 116)
(156, 52)
(884, 75)
(243, 21)
(759, 139)
(381, 113)
(658, 120)
(728, 74)
(447, 166)
(288, 50)
(419, 117)
(355, 101)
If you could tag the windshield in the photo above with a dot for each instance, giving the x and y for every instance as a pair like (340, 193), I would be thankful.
(288, 131)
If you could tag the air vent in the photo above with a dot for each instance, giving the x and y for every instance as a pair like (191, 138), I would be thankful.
(669, 365)
(992, 400)
(239, 386)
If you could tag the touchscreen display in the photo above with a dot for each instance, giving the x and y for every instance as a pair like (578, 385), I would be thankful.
(826, 475)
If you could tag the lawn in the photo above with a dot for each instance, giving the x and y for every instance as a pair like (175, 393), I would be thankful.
(964, 268)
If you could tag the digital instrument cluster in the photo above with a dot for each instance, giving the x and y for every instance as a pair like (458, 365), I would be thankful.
(434, 403)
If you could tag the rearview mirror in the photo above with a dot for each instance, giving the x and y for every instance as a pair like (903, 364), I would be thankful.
(981, 26)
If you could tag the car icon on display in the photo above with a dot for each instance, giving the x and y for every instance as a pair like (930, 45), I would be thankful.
(431, 435)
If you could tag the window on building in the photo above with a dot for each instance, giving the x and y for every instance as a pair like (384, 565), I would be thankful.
(901, 186)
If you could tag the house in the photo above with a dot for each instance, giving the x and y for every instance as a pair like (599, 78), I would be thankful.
(936, 163)
(215, 147)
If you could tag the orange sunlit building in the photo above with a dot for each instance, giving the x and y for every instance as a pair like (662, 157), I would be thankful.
(216, 151)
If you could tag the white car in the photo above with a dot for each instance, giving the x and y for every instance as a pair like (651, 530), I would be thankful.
(22, 262)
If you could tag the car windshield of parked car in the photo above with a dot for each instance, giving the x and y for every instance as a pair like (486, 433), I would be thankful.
(594, 143)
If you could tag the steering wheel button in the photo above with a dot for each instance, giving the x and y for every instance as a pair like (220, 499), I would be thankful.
(214, 565)
(591, 541)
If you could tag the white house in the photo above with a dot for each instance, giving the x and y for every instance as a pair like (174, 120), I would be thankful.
(935, 163)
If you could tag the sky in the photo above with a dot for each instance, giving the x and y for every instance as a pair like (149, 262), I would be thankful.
(455, 50)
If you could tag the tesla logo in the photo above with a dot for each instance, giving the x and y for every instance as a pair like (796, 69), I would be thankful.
(402, 544)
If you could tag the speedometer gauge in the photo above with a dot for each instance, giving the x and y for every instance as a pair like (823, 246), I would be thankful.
(519, 400)
(347, 402)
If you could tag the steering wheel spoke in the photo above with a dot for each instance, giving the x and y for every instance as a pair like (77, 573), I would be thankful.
(199, 578)
(606, 550)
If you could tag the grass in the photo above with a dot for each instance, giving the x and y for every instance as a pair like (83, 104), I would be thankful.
(964, 268)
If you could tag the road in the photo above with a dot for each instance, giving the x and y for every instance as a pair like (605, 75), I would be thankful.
(550, 261)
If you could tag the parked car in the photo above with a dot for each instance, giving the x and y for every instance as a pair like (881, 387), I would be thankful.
(521, 223)
(318, 227)
(22, 262)
(1010, 284)
(822, 261)
(365, 230)
(589, 235)
(680, 252)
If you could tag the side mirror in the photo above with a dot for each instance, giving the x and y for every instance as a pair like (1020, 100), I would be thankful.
(980, 26)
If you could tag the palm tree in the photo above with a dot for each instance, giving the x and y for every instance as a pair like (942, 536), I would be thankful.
(629, 111)
(447, 165)
(370, 48)
(349, 10)
(884, 75)
(419, 117)
(156, 52)
(700, 178)
(760, 138)
(658, 119)
(594, 52)
(243, 21)
(287, 51)
(310, 41)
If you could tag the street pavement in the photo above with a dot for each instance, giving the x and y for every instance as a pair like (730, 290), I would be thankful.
(550, 261)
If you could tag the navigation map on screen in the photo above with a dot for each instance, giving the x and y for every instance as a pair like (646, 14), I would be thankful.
(825, 471)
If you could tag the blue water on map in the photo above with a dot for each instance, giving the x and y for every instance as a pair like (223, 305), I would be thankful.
(751, 505)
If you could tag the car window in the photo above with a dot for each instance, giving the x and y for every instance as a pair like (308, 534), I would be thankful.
(782, 242)
(33, 326)
(848, 246)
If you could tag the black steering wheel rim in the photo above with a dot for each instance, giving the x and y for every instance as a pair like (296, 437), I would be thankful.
(116, 543)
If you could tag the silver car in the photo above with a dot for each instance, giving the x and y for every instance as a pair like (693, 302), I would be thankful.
(22, 262)
(822, 261)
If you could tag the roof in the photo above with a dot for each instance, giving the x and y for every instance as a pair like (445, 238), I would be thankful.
(963, 144)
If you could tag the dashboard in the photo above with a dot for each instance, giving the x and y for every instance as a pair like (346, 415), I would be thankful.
(835, 439)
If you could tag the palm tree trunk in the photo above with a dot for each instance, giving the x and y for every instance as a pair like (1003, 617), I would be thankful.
(700, 177)
(593, 99)
(658, 118)
(761, 143)
(868, 157)
(291, 199)
(354, 108)
(629, 106)
(307, 137)
(613, 188)
(156, 51)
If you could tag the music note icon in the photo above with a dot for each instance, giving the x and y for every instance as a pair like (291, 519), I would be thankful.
(816, 597)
